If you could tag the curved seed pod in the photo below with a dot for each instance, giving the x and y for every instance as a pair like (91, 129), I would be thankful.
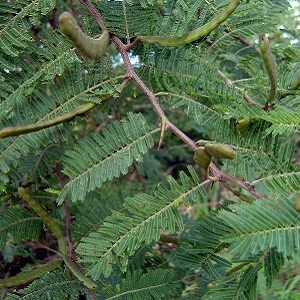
(270, 66)
(46, 218)
(202, 158)
(28, 276)
(220, 151)
(297, 204)
(89, 47)
(243, 125)
(197, 33)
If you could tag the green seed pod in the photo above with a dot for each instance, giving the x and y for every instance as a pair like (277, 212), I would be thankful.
(5, 198)
(246, 198)
(270, 66)
(297, 204)
(220, 151)
(28, 276)
(243, 125)
(88, 47)
(202, 158)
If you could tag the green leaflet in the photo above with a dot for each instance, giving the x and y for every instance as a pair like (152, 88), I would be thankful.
(263, 225)
(150, 285)
(55, 285)
(122, 233)
(105, 155)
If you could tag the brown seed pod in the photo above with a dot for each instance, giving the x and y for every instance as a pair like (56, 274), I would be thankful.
(88, 47)
(202, 158)
(220, 151)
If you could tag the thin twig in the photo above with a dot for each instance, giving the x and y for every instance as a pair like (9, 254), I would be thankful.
(243, 92)
(226, 177)
(153, 99)
(238, 38)
(95, 13)
(131, 45)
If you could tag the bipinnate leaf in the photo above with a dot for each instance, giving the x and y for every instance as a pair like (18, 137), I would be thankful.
(263, 225)
(105, 155)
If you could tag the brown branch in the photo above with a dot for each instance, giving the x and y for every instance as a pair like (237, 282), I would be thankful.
(68, 217)
(95, 13)
(132, 76)
(131, 45)
(221, 176)
(238, 38)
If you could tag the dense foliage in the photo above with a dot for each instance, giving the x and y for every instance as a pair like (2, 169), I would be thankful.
(161, 166)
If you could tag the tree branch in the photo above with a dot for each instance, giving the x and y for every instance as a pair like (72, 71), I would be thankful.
(94, 12)
(131, 75)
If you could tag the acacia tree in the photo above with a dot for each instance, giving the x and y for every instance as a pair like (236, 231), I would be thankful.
(147, 147)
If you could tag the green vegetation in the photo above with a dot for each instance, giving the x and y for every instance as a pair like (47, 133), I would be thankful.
(148, 150)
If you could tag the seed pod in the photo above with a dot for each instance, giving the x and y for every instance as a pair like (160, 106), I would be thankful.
(220, 151)
(202, 158)
(88, 47)
(297, 204)
(246, 198)
(243, 125)
(270, 66)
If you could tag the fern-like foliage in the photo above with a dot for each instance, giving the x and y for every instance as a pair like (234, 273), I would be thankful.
(18, 224)
(281, 183)
(46, 107)
(136, 230)
(96, 207)
(55, 285)
(272, 263)
(128, 18)
(270, 224)
(203, 240)
(157, 284)
(244, 285)
(15, 148)
(109, 155)
(123, 233)
(14, 27)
